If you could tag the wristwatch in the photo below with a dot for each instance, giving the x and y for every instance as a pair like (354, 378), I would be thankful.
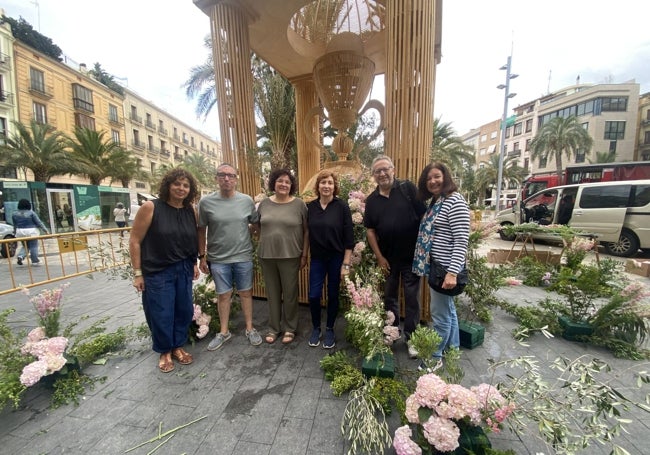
(346, 266)
(201, 256)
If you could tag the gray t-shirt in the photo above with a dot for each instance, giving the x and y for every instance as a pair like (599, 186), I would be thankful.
(227, 219)
(281, 235)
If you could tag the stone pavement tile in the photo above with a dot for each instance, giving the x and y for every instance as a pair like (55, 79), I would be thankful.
(292, 436)
(326, 433)
(265, 418)
(223, 434)
(288, 370)
(14, 445)
(251, 448)
(118, 438)
(304, 399)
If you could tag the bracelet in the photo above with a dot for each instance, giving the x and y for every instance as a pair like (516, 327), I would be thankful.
(137, 272)
(452, 274)
(346, 266)
(201, 256)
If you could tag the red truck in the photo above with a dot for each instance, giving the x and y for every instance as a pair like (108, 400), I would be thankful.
(583, 173)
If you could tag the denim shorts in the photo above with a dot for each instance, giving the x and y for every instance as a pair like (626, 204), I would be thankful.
(239, 274)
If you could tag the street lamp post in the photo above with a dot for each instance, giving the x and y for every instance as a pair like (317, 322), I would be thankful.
(504, 117)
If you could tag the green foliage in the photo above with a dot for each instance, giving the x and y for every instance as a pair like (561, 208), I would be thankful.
(579, 407)
(98, 344)
(332, 364)
(112, 259)
(530, 270)
(364, 422)
(24, 32)
(425, 340)
(483, 283)
(68, 389)
(391, 392)
(349, 378)
(580, 288)
(12, 362)
(532, 318)
(562, 231)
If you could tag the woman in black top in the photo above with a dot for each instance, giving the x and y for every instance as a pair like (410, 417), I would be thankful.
(331, 242)
(163, 248)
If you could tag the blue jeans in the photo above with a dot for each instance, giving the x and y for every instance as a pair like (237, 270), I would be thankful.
(239, 274)
(411, 285)
(168, 306)
(445, 321)
(32, 246)
(318, 270)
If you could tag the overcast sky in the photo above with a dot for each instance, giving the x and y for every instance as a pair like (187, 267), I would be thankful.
(154, 43)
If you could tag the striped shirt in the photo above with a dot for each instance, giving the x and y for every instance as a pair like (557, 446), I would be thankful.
(451, 233)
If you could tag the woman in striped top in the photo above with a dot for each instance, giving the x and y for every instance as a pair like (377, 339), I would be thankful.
(443, 237)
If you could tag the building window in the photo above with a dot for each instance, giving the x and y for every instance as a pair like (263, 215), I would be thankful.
(529, 125)
(37, 80)
(136, 138)
(493, 135)
(3, 130)
(518, 128)
(40, 113)
(647, 114)
(614, 130)
(481, 152)
(508, 132)
(580, 156)
(484, 138)
(542, 162)
(528, 144)
(82, 98)
(84, 121)
(516, 147)
(152, 167)
(112, 114)
(134, 115)
(614, 104)
(526, 163)
(612, 146)
(115, 135)
(646, 139)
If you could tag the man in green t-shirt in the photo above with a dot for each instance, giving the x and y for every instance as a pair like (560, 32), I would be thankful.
(224, 220)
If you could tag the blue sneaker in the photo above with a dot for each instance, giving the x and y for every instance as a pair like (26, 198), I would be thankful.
(314, 339)
(329, 342)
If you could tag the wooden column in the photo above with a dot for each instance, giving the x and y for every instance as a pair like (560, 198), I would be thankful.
(234, 86)
(411, 32)
(309, 155)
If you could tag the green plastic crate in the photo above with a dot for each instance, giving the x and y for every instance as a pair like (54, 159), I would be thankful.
(471, 334)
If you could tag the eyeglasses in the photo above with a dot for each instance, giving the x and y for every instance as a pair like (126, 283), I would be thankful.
(223, 175)
(382, 170)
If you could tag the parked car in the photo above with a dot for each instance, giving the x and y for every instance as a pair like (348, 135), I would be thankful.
(7, 232)
(615, 212)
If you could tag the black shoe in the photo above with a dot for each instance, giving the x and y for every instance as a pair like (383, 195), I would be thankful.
(329, 341)
(19, 259)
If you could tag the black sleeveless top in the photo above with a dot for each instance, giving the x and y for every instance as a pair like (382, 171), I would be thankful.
(171, 238)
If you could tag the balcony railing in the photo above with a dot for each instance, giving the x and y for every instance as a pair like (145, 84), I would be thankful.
(6, 98)
(136, 118)
(137, 144)
(149, 124)
(40, 90)
(162, 130)
(514, 153)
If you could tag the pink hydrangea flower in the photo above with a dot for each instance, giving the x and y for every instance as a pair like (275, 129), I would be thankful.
(33, 373)
(403, 444)
(36, 334)
(441, 433)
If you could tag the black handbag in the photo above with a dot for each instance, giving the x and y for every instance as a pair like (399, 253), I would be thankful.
(437, 276)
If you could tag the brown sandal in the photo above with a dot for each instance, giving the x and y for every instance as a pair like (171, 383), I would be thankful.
(270, 337)
(165, 363)
(288, 337)
(183, 357)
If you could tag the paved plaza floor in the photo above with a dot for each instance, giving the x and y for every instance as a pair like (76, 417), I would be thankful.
(269, 399)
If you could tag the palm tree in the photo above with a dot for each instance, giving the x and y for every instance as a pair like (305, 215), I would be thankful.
(96, 157)
(39, 148)
(125, 168)
(560, 136)
(201, 84)
(449, 148)
(200, 168)
(275, 107)
(604, 157)
(486, 177)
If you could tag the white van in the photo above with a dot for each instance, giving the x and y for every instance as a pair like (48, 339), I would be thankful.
(618, 213)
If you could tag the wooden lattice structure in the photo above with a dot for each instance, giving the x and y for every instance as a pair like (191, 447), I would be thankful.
(400, 37)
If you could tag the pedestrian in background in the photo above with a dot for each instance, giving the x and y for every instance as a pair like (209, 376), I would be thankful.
(226, 251)
(392, 218)
(163, 248)
(120, 213)
(443, 237)
(331, 240)
(283, 248)
(27, 224)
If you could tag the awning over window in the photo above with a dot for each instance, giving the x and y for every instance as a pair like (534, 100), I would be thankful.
(147, 196)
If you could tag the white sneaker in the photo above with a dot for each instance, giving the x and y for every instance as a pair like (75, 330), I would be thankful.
(413, 353)
(436, 367)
